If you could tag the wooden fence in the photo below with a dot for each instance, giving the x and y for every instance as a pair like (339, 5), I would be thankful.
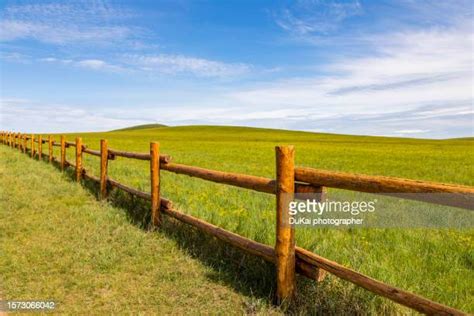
(287, 257)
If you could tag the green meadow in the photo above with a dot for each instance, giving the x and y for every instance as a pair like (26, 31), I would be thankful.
(435, 263)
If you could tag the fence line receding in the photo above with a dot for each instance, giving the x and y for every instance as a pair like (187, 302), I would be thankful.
(288, 258)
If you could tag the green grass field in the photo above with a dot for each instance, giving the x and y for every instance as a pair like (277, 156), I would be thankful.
(58, 243)
(436, 263)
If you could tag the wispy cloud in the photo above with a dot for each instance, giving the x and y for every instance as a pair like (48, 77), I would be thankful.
(316, 16)
(178, 64)
(412, 131)
(406, 71)
(157, 65)
(62, 23)
(61, 117)
(92, 64)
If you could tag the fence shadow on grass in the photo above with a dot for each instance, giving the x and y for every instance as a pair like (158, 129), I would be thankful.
(246, 274)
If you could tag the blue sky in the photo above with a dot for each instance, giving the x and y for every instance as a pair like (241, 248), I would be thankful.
(396, 68)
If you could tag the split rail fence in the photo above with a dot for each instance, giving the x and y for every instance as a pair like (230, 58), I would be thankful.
(288, 258)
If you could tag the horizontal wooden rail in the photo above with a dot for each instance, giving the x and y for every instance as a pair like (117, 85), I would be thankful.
(69, 164)
(88, 176)
(309, 263)
(126, 188)
(256, 183)
(139, 156)
(43, 141)
(451, 195)
(405, 298)
(263, 251)
(90, 151)
(240, 180)
(309, 188)
(72, 144)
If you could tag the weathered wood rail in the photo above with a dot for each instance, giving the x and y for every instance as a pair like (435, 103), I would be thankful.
(287, 257)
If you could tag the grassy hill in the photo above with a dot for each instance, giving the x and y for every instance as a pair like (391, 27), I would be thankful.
(139, 127)
(436, 263)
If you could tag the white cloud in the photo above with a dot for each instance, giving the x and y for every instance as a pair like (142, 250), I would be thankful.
(176, 64)
(97, 64)
(412, 131)
(93, 64)
(74, 22)
(406, 71)
(316, 16)
(159, 64)
(61, 118)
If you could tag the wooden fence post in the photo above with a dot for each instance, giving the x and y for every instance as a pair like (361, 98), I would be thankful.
(104, 161)
(32, 145)
(25, 144)
(155, 183)
(78, 159)
(63, 152)
(50, 149)
(40, 147)
(285, 233)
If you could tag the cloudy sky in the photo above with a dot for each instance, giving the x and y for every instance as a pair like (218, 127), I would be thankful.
(397, 68)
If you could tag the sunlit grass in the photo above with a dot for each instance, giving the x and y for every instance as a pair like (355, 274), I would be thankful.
(436, 263)
(58, 243)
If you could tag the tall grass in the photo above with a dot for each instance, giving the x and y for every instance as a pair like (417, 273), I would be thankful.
(436, 263)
